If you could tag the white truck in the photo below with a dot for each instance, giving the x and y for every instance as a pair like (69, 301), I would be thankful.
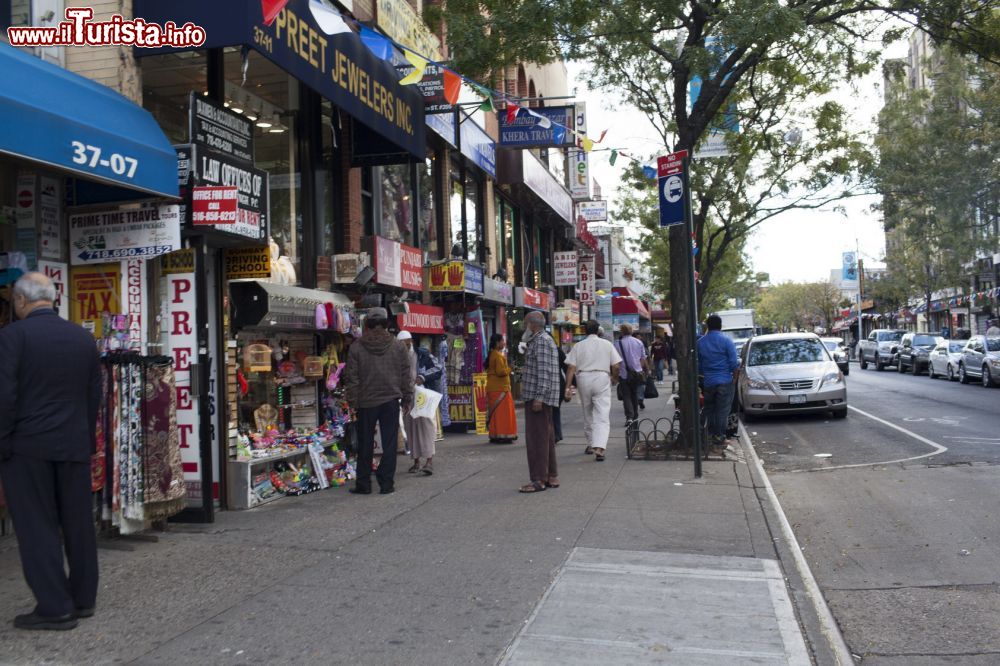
(738, 325)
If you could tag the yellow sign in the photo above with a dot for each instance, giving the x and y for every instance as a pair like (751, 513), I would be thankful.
(181, 261)
(460, 408)
(398, 19)
(93, 292)
(447, 276)
(248, 262)
(480, 402)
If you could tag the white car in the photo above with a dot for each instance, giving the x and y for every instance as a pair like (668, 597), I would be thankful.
(790, 373)
(839, 353)
(945, 359)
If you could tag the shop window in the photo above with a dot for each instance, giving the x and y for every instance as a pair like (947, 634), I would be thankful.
(473, 228)
(396, 198)
(457, 210)
(498, 228)
(325, 176)
(167, 82)
(426, 209)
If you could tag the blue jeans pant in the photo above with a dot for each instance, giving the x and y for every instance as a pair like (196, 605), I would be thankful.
(659, 369)
(718, 403)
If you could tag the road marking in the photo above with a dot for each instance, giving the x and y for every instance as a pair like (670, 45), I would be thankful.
(938, 449)
(978, 439)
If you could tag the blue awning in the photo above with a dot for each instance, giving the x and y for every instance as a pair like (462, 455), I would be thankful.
(53, 117)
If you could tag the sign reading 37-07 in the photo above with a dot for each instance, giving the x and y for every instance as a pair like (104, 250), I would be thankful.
(115, 235)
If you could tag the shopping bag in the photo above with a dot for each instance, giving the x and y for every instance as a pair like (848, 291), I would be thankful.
(425, 403)
(651, 391)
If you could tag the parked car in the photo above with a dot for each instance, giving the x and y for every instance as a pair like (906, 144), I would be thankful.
(915, 351)
(980, 359)
(790, 373)
(880, 348)
(839, 353)
(945, 359)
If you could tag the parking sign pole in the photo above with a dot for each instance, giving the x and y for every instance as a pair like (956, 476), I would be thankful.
(692, 379)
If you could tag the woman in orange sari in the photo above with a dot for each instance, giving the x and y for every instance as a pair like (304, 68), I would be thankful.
(500, 413)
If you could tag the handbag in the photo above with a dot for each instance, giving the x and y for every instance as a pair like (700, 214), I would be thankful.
(651, 390)
(633, 377)
(621, 390)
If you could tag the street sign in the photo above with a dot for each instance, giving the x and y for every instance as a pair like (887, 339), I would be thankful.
(670, 172)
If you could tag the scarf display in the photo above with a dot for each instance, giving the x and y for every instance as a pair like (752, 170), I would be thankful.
(138, 462)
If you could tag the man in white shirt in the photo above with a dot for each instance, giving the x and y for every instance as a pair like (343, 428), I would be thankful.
(594, 363)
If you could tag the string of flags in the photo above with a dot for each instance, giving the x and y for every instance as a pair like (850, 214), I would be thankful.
(333, 22)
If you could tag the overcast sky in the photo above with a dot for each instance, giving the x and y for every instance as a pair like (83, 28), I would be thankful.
(797, 246)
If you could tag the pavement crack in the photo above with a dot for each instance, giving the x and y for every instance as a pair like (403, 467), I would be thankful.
(939, 586)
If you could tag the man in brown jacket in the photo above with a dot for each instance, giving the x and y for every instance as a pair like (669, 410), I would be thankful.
(377, 382)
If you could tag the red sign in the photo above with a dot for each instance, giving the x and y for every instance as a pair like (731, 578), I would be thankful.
(427, 319)
(214, 205)
(671, 164)
(529, 298)
(583, 233)
(25, 198)
(412, 262)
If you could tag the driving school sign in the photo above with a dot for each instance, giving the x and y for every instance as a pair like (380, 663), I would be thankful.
(670, 172)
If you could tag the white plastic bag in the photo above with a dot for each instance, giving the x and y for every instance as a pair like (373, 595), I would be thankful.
(425, 403)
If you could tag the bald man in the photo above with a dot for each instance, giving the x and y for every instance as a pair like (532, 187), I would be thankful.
(50, 383)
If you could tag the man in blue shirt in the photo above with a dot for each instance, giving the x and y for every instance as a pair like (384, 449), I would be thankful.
(717, 361)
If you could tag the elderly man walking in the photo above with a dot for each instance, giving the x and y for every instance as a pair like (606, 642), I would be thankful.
(594, 362)
(540, 391)
(50, 387)
(631, 371)
(377, 381)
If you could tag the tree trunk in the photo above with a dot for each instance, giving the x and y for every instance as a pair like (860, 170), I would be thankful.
(680, 289)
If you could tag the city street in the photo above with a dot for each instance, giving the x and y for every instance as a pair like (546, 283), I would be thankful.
(895, 509)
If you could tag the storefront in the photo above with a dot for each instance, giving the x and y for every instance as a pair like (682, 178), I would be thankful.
(88, 196)
(498, 298)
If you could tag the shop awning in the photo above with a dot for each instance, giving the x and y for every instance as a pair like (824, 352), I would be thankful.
(61, 120)
(660, 316)
(259, 304)
(621, 305)
(337, 65)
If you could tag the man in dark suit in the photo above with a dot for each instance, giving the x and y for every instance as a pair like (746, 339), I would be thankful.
(49, 391)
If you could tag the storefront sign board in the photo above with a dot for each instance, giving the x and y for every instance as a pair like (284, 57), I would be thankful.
(592, 211)
(212, 206)
(58, 272)
(480, 402)
(25, 200)
(181, 261)
(587, 286)
(426, 319)
(181, 324)
(498, 292)
(528, 132)
(403, 24)
(118, 235)
(50, 241)
(474, 276)
(387, 262)
(455, 276)
(477, 145)
(578, 159)
(217, 128)
(93, 292)
(564, 267)
(247, 263)
(345, 267)
(135, 303)
(530, 298)
(411, 260)
(541, 181)
(460, 407)
(213, 168)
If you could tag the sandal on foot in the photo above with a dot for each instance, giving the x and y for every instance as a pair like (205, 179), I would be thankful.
(599, 457)
(588, 451)
(414, 468)
(552, 483)
(531, 488)
(428, 468)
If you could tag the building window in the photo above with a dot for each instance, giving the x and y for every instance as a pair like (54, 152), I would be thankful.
(426, 210)
(396, 198)
(326, 174)
(473, 229)
(167, 83)
(457, 210)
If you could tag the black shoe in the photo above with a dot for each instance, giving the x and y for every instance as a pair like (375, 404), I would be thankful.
(360, 491)
(34, 621)
(81, 613)
(642, 405)
(387, 491)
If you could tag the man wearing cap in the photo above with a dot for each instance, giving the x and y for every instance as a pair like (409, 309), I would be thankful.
(594, 363)
(50, 387)
(377, 382)
(540, 392)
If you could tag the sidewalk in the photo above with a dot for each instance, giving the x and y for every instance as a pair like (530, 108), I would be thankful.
(627, 562)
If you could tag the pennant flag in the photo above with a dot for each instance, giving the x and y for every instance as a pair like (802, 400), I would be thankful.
(603, 134)
(558, 135)
(614, 156)
(512, 111)
(379, 45)
(543, 121)
(328, 19)
(271, 9)
(649, 172)
(452, 86)
(417, 74)
(588, 145)
(488, 106)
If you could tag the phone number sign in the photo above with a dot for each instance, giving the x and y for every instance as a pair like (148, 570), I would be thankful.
(104, 236)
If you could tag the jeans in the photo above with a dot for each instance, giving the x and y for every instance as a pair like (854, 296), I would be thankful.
(659, 369)
(630, 400)
(386, 416)
(718, 404)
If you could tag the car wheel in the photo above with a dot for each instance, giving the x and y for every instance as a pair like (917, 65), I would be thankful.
(863, 362)
(988, 378)
(878, 363)
(847, 371)
(951, 373)
(930, 371)
(899, 365)
(913, 369)
(840, 413)
(962, 377)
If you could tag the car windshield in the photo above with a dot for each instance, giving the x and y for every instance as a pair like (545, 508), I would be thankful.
(831, 345)
(775, 352)
(924, 340)
(739, 333)
(955, 347)
(993, 344)
(890, 336)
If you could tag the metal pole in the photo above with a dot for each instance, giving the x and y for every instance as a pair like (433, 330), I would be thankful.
(692, 379)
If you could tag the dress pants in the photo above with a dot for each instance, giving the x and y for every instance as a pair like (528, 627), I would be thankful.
(630, 400)
(540, 443)
(386, 416)
(45, 498)
(595, 396)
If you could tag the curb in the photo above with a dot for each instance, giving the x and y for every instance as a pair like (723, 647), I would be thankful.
(828, 625)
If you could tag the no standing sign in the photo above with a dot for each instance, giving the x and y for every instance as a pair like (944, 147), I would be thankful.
(670, 173)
